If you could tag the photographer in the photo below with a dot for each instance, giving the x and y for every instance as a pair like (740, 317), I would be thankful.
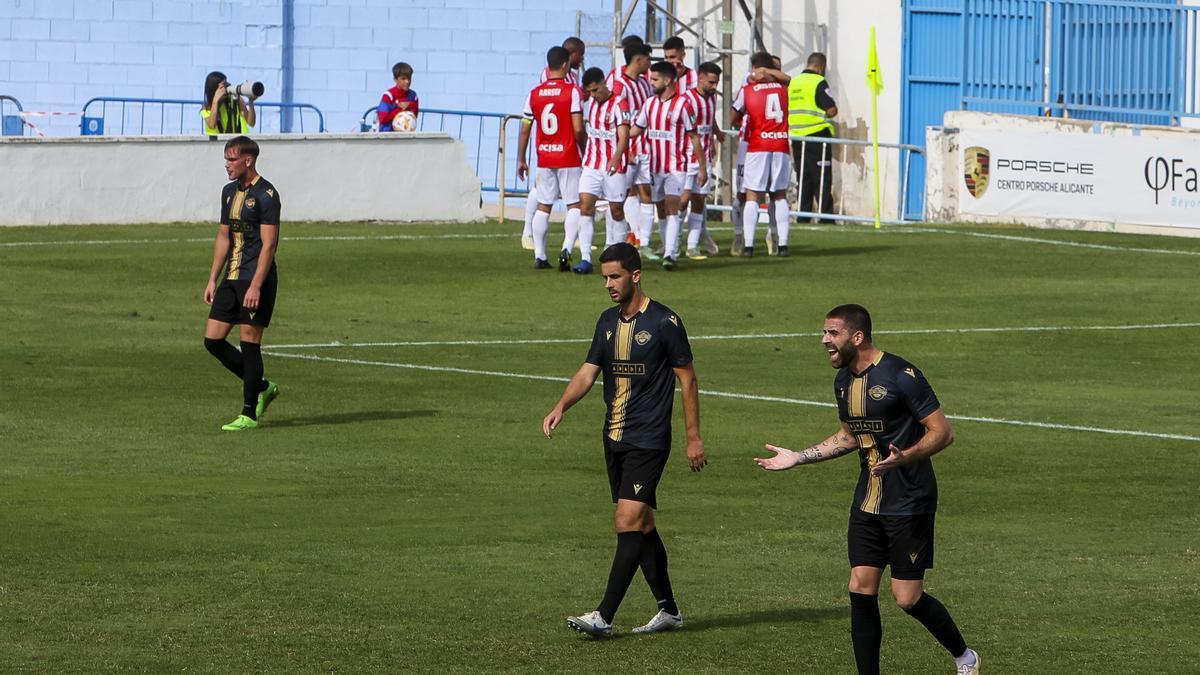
(226, 111)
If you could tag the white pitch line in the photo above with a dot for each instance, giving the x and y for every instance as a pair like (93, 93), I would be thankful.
(1057, 242)
(747, 397)
(195, 240)
(741, 336)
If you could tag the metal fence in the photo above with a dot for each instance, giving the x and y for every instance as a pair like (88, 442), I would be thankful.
(1133, 61)
(11, 123)
(487, 136)
(117, 116)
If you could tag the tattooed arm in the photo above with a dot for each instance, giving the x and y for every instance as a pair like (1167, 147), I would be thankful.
(841, 443)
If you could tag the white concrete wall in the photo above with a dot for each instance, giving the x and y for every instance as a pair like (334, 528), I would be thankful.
(840, 28)
(328, 177)
(945, 186)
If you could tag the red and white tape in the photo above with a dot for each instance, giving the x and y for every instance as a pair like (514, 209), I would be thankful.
(31, 125)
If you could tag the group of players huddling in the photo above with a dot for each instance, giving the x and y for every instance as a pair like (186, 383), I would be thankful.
(643, 138)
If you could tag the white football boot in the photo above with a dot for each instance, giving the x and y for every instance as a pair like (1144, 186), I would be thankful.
(591, 623)
(662, 622)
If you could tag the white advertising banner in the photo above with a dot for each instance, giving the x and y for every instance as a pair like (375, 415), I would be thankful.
(1141, 180)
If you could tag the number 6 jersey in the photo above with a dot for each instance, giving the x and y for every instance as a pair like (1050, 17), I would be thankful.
(549, 107)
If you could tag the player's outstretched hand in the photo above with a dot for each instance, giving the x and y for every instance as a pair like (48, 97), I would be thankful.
(896, 457)
(551, 422)
(695, 454)
(783, 459)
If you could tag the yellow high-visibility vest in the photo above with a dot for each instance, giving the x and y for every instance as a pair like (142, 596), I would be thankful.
(205, 113)
(805, 118)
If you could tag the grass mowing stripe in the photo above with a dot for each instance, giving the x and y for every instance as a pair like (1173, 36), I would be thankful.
(734, 395)
(742, 336)
(201, 240)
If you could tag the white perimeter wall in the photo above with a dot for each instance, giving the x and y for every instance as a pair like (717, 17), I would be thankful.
(841, 28)
(1122, 200)
(328, 177)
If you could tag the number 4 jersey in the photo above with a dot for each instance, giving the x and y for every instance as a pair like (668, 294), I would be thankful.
(765, 125)
(549, 107)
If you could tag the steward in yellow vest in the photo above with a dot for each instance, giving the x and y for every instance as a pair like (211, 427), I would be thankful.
(811, 110)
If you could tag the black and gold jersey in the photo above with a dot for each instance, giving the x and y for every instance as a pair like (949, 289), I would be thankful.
(245, 211)
(882, 406)
(637, 357)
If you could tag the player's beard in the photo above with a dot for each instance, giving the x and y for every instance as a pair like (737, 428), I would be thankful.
(845, 356)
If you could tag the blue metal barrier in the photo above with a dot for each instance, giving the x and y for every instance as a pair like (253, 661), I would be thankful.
(1131, 61)
(11, 125)
(480, 131)
(154, 116)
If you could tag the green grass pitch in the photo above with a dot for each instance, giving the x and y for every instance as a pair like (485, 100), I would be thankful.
(389, 518)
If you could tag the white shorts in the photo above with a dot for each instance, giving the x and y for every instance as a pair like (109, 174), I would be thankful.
(641, 174)
(599, 183)
(689, 181)
(739, 175)
(556, 184)
(767, 171)
(670, 183)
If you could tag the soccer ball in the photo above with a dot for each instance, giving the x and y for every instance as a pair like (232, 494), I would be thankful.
(405, 121)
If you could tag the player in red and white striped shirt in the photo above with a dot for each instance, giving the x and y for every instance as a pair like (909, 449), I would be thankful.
(763, 108)
(557, 108)
(629, 84)
(577, 49)
(703, 101)
(673, 53)
(604, 162)
(668, 129)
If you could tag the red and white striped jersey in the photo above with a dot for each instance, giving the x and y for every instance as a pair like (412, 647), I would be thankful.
(687, 81)
(602, 122)
(667, 124)
(636, 91)
(704, 110)
(572, 77)
(549, 107)
(765, 107)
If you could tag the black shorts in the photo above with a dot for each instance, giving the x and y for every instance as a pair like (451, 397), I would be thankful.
(227, 302)
(904, 542)
(633, 473)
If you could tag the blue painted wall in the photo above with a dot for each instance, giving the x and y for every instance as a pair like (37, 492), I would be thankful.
(472, 54)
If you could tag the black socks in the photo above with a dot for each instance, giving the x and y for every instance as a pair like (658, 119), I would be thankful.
(866, 630)
(933, 615)
(654, 568)
(226, 353)
(252, 378)
(624, 566)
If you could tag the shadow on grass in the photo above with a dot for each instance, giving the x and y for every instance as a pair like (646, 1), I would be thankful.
(352, 418)
(772, 616)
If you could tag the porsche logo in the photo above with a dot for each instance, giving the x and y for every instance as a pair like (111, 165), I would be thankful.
(976, 170)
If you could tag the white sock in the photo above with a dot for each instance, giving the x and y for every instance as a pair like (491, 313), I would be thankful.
(587, 231)
(781, 220)
(968, 658)
(609, 228)
(772, 221)
(663, 229)
(749, 220)
(736, 214)
(620, 228)
(633, 214)
(649, 214)
(671, 240)
(541, 224)
(571, 228)
(531, 205)
(695, 223)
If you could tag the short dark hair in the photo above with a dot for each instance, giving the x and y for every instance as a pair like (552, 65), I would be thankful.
(244, 145)
(635, 50)
(856, 317)
(666, 69)
(709, 67)
(624, 253)
(401, 68)
(817, 59)
(592, 75)
(557, 57)
(630, 40)
(762, 60)
(573, 44)
(674, 42)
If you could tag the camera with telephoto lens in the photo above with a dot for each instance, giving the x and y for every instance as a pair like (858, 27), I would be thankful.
(248, 89)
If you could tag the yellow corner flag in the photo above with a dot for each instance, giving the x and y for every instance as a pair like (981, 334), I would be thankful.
(875, 84)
